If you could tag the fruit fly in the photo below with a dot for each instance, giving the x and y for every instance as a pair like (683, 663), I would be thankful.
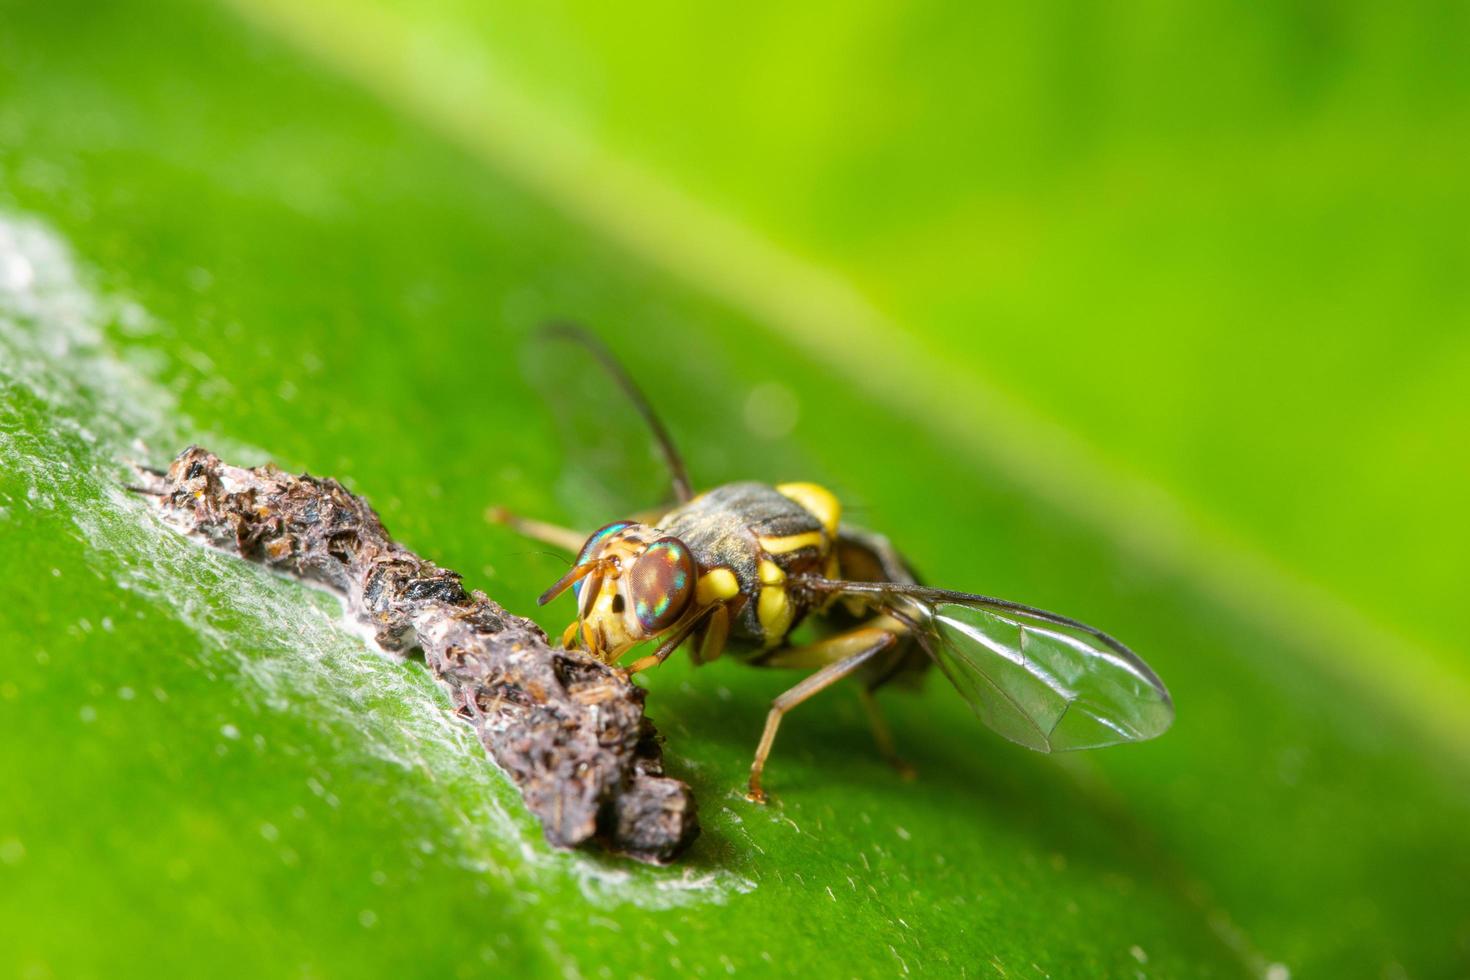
(735, 569)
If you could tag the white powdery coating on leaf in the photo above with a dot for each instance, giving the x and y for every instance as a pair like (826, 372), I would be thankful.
(289, 647)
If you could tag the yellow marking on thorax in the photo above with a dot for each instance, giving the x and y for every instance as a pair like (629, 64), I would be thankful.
(716, 585)
(816, 500)
(774, 611)
(792, 542)
(771, 573)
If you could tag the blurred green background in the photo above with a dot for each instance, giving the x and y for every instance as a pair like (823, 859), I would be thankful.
(1156, 316)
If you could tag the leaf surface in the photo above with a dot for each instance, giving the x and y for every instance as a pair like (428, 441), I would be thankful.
(208, 236)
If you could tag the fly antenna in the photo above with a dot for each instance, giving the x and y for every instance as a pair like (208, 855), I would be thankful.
(577, 573)
(683, 492)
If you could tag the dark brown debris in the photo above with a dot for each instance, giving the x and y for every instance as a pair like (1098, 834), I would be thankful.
(568, 729)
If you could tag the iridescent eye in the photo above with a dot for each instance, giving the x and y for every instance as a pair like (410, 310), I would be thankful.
(594, 543)
(661, 584)
(593, 546)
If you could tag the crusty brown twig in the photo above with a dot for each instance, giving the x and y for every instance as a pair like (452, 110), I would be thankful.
(568, 729)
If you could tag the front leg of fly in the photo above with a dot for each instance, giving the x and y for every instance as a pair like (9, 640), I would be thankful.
(672, 642)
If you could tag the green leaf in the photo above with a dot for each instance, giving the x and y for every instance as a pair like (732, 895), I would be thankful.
(209, 236)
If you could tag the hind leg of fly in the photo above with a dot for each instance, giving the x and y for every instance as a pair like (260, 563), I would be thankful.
(838, 657)
(883, 736)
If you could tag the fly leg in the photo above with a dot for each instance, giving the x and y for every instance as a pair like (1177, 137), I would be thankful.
(839, 656)
(669, 645)
(710, 641)
(558, 537)
(883, 735)
(710, 631)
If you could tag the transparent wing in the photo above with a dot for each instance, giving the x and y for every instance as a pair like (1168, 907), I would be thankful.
(620, 458)
(1044, 681)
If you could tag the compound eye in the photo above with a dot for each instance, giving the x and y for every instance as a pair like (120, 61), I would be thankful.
(594, 545)
(661, 584)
